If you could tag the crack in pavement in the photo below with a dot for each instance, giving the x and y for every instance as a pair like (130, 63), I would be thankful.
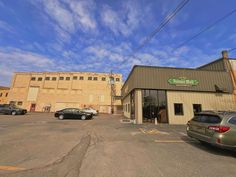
(67, 166)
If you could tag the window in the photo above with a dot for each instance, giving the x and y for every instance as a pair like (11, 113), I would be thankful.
(117, 79)
(178, 109)
(204, 118)
(33, 78)
(89, 78)
(61, 78)
(95, 78)
(197, 108)
(81, 78)
(6, 95)
(67, 78)
(103, 79)
(54, 78)
(19, 103)
(47, 78)
(75, 77)
(40, 79)
(233, 121)
(0, 94)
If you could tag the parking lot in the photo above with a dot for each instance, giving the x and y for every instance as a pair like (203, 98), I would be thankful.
(38, 145)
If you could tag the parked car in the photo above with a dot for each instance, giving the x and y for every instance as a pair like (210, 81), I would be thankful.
(73, 113)
(91, 110)
(12, 110)
(216, 128)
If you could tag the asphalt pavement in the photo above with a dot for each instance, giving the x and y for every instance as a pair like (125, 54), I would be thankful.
(38, 145)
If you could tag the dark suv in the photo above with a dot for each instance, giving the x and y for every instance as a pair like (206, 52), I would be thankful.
(11, 110)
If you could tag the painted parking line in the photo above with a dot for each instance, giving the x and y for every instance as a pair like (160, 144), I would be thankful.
(153, 131)
(10, 168)
(173, 141)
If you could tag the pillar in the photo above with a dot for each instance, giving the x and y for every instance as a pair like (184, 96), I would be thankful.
(138, 107)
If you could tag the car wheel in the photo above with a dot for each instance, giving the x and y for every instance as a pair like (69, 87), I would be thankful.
(83, 117)
(13, 113)
(61, 117)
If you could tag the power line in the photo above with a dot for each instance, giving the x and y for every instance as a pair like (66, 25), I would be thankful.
(207, 28)
(166, 20)
(232, 49)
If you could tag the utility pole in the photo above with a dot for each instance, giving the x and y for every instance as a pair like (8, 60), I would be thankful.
(112, 84)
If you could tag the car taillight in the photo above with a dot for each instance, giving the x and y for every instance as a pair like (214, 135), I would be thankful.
(219, 129)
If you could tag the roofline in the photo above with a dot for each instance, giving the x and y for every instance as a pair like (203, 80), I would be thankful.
(66, 72)
(214, 62)
(4, 88)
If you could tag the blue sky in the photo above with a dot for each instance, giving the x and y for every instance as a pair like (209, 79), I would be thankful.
(90, 35)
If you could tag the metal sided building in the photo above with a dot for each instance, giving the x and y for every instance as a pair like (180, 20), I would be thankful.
(174, 95)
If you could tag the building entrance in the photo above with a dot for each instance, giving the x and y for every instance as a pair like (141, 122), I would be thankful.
(154, 105)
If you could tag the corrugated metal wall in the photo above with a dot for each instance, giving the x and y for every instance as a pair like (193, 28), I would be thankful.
(157, 78)
(218, 65)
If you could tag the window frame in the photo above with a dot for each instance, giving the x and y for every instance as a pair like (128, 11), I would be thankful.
(67, 79)
(47, 78)
(40, 79)
(182, 109)
(33, 79)
(81, 78)
(75, 78)
(196, 104)
(90, 78)
(95, 78)
(61, 78)
(54, 78)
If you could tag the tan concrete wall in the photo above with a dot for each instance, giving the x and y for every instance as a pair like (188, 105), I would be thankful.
(126, 103)
(209, 101)
(77, 93)
(4, 96)
(138, 107)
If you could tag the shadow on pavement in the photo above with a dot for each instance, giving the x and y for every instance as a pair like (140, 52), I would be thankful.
(209, 148)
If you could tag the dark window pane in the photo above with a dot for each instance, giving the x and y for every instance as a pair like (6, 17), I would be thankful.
(40, 79)
(33, 78)
(6, 94)
(210, 119)
(75, 77)
(90, 78)
(197, 108)
(19, 103)
(81, 78)
(117, 79)
(233, 121)
(0, 94)
(95, 78)
(103, 79)
(67, 78)
(47, 78)
(61, 78)
(178, 109)
(54, 78)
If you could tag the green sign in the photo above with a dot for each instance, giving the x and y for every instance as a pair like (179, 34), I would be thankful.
(183, 82)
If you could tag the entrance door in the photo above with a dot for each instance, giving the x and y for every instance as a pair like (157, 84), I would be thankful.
(32, 107)
(154, 106)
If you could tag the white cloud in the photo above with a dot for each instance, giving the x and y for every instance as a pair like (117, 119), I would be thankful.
(83, 13)
(6, 27)
(68, 16)
(60, 14)
(122, 22)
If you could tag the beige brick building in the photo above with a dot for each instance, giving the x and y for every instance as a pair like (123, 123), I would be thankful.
(52, 91)
(4, 91)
